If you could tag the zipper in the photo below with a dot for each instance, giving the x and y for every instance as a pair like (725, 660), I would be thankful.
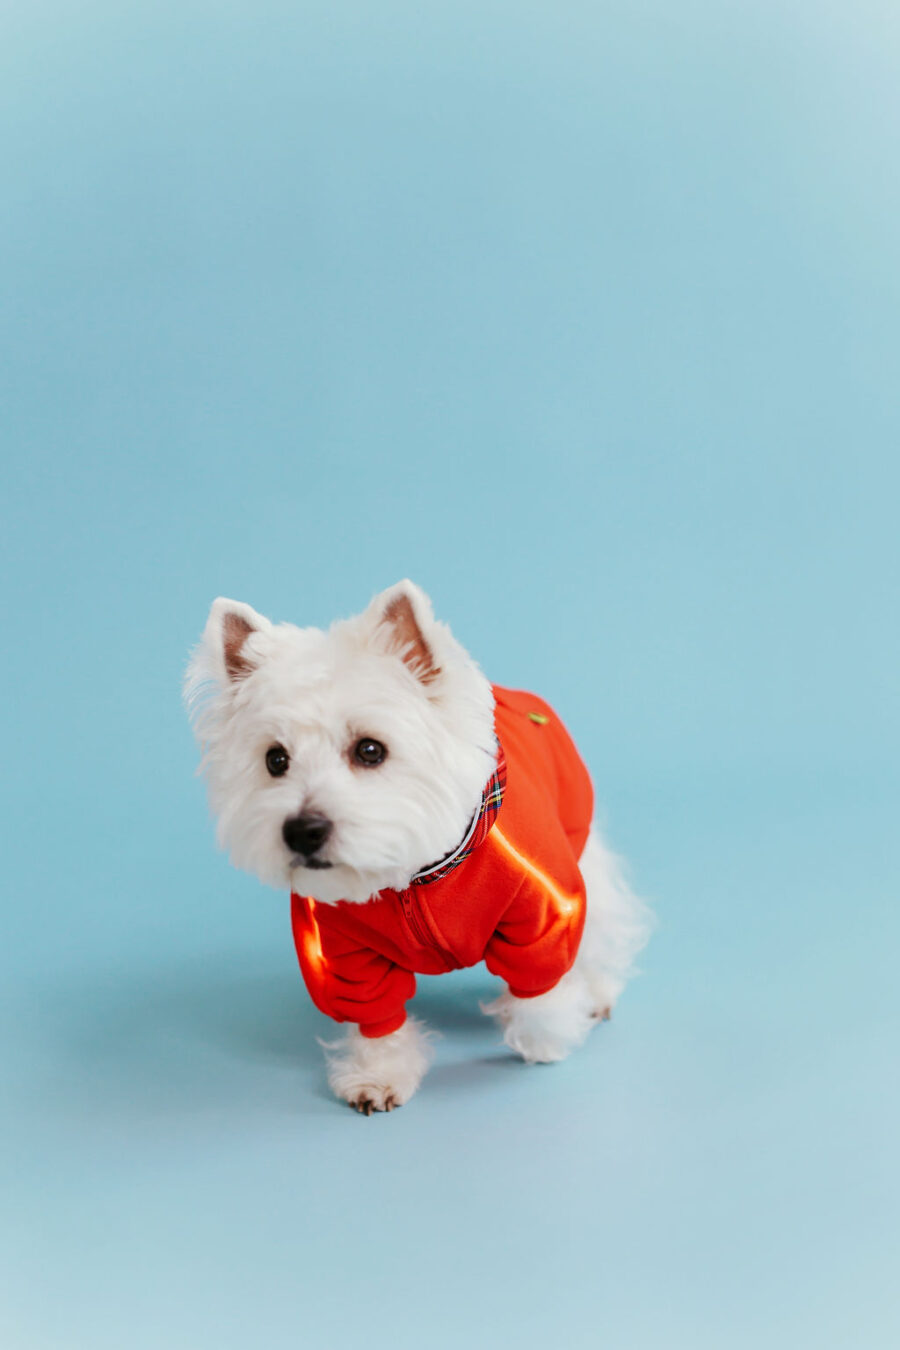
(420, 928)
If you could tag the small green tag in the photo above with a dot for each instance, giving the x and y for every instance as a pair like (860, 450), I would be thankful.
(540, 718)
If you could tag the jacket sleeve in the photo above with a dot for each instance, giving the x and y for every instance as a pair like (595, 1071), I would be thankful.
(536, 941)
(347, 981)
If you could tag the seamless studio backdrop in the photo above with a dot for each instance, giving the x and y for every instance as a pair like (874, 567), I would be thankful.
(585, 317)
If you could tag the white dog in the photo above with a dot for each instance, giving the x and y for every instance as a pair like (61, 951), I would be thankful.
(422, 818)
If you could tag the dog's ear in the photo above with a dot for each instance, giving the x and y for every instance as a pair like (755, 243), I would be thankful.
(228, 627)
(402, 621)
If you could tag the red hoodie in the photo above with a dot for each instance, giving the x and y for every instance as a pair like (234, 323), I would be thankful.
(510, 894)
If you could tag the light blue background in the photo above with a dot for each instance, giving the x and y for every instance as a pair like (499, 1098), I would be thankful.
(585, 317)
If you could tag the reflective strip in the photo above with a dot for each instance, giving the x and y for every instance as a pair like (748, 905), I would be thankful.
(312, 939)
(565, 904)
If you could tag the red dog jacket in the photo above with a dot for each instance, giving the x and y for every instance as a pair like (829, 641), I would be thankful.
(510, 893)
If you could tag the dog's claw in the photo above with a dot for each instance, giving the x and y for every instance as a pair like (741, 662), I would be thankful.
(366, 1107)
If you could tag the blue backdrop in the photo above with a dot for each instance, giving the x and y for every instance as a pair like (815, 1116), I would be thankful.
(586, 318)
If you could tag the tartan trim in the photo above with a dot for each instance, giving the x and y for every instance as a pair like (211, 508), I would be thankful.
(476, 831)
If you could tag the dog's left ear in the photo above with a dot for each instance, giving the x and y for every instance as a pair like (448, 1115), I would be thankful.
(402, 621)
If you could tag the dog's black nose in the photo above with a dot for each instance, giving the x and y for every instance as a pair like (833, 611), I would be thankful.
(306, 834)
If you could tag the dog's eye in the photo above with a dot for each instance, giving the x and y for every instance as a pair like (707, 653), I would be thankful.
(277, 760)
(369, 752)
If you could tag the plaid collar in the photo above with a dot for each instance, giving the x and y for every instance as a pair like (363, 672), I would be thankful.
(478, 828)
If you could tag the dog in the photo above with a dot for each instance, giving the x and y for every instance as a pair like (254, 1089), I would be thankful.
(423, 819)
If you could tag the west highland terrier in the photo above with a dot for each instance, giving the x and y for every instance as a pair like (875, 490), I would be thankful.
(423, 820)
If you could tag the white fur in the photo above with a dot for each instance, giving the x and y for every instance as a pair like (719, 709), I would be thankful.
(378, 1073)
(316, 693)
(617, 925)
(546, 1028)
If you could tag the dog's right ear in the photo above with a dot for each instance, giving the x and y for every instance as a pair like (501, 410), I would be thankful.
(224, 654)
(228, 627)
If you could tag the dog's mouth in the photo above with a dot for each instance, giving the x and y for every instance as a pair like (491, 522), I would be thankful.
(318, 863)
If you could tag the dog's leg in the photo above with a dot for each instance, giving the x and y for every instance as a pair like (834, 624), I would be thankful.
(546, 1028)
(377, 1073)
(616, 926)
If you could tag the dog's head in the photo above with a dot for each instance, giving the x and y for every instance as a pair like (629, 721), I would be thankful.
(341, 762)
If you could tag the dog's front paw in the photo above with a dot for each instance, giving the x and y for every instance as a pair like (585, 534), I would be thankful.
(378, 1073)
(545, 1029)
(372, 1097)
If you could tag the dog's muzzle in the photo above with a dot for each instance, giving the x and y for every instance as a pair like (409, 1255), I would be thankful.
(305, 835)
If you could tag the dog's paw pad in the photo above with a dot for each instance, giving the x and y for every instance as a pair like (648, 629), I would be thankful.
(602, 1014)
